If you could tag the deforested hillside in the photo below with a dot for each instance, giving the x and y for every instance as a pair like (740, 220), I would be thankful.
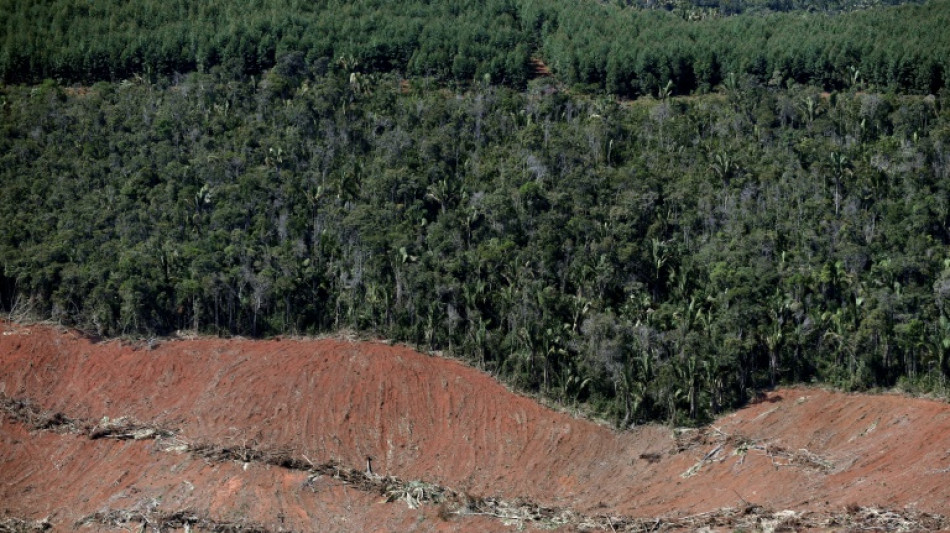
(243, 435)
(651, 214)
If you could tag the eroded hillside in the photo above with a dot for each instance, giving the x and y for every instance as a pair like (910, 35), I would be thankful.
(274, 435)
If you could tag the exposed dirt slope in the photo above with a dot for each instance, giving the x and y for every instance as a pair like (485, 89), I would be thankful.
(422, 418)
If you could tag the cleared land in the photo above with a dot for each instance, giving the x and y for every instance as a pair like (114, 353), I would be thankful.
(240, 435)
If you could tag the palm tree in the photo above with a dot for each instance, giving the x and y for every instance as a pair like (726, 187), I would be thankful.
(839, 165)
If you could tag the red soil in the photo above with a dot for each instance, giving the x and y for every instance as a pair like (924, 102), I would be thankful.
(428, 418)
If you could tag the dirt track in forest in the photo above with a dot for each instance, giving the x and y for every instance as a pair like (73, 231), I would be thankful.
(274, 435)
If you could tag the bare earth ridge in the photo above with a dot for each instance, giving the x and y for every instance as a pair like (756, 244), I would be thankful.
(274, 435)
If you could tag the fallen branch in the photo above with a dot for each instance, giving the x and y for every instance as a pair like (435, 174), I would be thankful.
(18, 525)
(38, 419)
(688, 439)
(24, 412)
(709, 457)
(127, 429)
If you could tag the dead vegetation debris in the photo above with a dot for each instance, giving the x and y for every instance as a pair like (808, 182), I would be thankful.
(38, 419)
(726, 445)
(747, 517)
(416, 493)
(686, 439)
(19, 525)
(242, 453)
(24, 412)
(127, 429)
(874, 519)
(751, 517)
(171, 521)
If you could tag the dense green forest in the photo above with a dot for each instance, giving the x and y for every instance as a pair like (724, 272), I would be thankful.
(600, 46)
(657, 258)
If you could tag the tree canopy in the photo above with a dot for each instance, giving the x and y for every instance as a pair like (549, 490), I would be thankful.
(618, 48)
(657, 258)
(773, 207)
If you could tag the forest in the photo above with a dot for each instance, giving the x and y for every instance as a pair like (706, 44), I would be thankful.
(700, 201)
(682, 48)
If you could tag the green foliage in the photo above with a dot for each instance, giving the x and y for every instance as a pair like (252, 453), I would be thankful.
(660, 260)
(674, 48)
(276, 167)
(82, 41)
(633, 52)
